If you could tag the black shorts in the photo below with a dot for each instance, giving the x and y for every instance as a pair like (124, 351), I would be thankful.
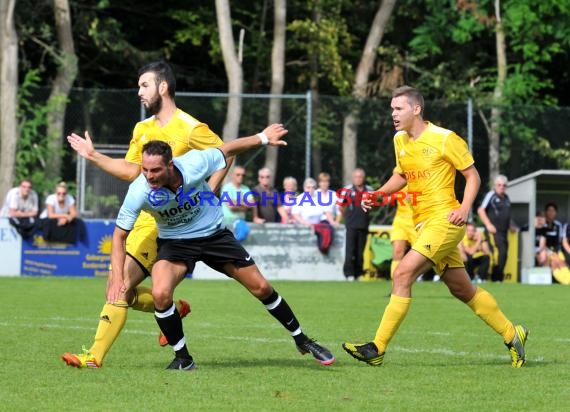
(215, 251)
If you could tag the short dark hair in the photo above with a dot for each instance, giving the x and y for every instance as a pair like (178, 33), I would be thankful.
(414, 96)
(162, 72)
(158, 148)
(549, 205)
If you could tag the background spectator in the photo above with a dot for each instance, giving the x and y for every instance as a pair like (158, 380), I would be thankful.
(21, 207)
(60, 205)
(59, 218)
(328, 196)
(356, 222)
(475, 253)
(495, 213)
(552, 228)
(236, 191)
(289, 195)
(309, 209)
(548, 245)
(268, 201)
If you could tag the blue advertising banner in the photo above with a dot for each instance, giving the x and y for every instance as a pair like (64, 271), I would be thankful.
(87, 257)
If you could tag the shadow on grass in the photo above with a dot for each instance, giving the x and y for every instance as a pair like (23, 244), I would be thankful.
(262, 364)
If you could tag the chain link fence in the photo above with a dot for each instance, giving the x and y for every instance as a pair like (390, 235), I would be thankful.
(532, 138)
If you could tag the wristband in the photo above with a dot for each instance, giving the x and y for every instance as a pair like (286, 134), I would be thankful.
(264, 138)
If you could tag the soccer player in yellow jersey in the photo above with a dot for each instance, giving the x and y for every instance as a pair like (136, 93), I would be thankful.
(427, 157)
(157, 86)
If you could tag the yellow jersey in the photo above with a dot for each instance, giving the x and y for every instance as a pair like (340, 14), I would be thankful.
(404, 209)
(183, 133)
(429, 164)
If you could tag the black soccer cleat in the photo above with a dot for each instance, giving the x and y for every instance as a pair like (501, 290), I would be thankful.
(367, 352)
(320, 353)
(182, 364)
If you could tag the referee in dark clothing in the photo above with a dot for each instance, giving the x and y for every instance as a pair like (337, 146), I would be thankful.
(495, 213)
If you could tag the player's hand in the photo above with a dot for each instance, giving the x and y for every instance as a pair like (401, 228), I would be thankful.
(84, 147)
(491, 228)
(115, 290)
(458, 217)
(274, 133)
(366, 202)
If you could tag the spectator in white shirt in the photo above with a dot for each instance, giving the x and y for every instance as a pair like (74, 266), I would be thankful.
(21, 207)
(60, 205)
(328, 197)
(309, 208)
(289, 196)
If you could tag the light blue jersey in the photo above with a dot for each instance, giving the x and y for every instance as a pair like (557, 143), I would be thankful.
(191, 212)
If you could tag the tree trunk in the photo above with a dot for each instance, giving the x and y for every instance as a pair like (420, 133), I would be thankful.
(8, 95)
(494, 134)
(317, 156)
(233, 70)
(57, 102)
(255, 84)
(350, 124)
(277, 78)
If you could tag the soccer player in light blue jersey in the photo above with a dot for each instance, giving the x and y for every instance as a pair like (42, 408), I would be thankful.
(191, 229)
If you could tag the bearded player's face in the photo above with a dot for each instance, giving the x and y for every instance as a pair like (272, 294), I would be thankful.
(148, 93)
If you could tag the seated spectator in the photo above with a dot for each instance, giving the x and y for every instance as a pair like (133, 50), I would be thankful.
(267, 199)
(552, 228)
(328, 197)
(475, 252)
(235, 203)
(547, 252)
(289, 195)
(21, 207)
(309, 208)
(59, 218)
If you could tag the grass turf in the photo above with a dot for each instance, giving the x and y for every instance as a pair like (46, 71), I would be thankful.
(443, 357)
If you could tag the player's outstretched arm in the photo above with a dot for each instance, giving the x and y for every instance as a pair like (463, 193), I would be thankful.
(119, 168)
(271, 135)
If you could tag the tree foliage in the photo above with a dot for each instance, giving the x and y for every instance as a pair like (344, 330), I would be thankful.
(444, 47)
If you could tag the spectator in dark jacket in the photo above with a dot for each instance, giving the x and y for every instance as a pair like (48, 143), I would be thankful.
(356, 222)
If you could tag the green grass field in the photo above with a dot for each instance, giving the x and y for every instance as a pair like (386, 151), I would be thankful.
(443, 358)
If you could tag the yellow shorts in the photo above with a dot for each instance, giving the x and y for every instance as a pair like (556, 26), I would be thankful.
(141, 242)
(437, 240)
(403, 229)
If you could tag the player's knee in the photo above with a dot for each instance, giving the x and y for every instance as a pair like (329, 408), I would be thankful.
(261, 289)
(403, 276)
(162, 297)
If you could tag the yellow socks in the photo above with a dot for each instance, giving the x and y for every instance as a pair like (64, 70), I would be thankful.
(393, 267)
(393, 316)
(144, 302)
(143, 299)
(111, 322)
(485, 306)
